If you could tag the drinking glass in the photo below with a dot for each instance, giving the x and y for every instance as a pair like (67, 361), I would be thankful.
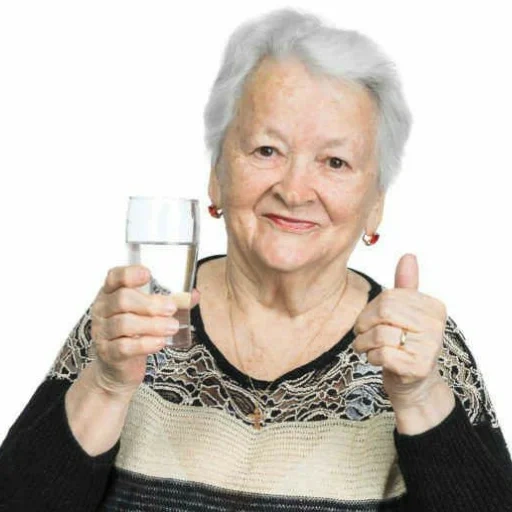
(162, 233)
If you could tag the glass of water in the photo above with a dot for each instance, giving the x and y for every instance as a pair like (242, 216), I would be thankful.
(162, 233)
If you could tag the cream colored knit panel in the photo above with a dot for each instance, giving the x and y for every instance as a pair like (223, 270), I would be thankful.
(335, 458)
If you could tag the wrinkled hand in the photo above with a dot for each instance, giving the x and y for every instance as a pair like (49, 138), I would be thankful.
(409, 373)
(127, 325)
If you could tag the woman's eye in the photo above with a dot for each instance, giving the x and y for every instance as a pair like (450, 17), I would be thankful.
(265, 150)
(337, 163)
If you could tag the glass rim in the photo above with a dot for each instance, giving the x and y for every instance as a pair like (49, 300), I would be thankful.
(166, 198)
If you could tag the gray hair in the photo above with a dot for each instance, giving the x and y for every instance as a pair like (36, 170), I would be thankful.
(333, 52)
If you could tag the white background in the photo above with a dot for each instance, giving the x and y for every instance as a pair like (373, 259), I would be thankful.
(102, 100)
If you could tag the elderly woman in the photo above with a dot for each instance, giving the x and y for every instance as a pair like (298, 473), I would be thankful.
(309, 387)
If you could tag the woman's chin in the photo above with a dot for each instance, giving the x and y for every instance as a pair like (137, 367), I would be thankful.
(286, 252)
(286, 258)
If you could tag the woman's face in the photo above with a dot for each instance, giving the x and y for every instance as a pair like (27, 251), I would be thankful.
(300, 147)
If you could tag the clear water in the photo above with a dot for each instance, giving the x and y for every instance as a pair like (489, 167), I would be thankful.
(172, 269)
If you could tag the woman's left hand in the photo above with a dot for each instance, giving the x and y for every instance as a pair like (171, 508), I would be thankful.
(410, 373)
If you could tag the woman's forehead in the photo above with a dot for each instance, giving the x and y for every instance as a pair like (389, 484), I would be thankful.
(281, 96)
(291, 79)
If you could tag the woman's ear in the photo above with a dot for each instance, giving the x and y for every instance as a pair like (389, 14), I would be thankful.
(375, 217)
(214, 188)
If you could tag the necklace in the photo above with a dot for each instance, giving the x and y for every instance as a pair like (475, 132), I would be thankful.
(258, 416)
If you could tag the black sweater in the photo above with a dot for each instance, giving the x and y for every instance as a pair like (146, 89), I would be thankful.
(328, 440)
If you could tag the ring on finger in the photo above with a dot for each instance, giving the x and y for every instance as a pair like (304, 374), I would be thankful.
(403, 336)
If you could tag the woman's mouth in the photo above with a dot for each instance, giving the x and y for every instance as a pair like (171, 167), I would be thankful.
(289, 224)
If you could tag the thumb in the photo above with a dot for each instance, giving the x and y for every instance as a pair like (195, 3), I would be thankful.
(406, 275)
(196, 295)
(185, 300)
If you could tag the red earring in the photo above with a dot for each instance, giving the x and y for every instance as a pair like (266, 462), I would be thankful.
(370, 239)
(214, 211)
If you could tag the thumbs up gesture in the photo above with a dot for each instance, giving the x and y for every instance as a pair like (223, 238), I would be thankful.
(409, 372)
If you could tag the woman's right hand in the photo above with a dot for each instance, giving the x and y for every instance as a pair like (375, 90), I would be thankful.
(127, 326)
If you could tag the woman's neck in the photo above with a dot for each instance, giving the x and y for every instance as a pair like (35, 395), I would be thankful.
(264, 326)
(287, 295)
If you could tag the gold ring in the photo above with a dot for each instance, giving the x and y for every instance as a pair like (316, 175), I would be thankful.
(403, 336)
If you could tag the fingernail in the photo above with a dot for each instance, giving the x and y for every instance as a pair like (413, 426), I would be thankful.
(169, 306)
(171, 327)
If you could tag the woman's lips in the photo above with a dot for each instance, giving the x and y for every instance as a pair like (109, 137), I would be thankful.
(290, 224)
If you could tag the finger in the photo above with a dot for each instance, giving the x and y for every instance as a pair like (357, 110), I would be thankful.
(131, 300)
(407, 272)
(409, 367)
(128, 324)
(126, 348)
(131, 276)
(392, 359)
(378, 336)
(396, 306)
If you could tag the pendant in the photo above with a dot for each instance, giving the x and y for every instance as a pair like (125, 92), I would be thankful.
(256, 417)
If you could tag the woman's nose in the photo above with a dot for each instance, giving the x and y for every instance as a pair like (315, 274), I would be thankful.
(295, 186)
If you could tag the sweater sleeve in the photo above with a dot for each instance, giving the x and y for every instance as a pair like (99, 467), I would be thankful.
(463, 464)
(42, 466)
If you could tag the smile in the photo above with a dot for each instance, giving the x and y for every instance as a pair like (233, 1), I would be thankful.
(293, 225)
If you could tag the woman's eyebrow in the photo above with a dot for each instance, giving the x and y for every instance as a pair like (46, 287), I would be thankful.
(335, 142)
(328, 144)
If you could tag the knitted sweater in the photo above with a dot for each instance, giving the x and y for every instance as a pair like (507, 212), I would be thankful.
(328, 440)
